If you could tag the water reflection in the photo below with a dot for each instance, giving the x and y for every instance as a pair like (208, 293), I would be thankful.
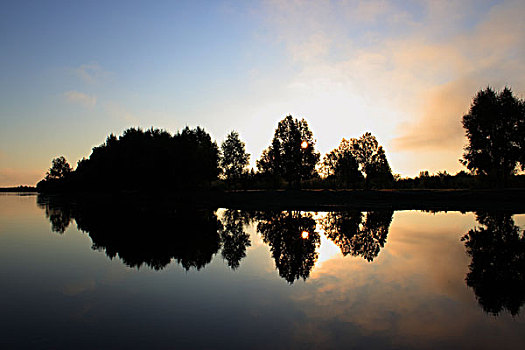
(154, 234)
(150, 235)
(294, 254)
(234, 239)
(497, 270)
(357, 233)
(59, 214)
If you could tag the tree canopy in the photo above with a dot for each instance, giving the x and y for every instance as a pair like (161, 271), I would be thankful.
(151, 159)
(234, 159)
(495, 129)
(356, 159)
(60, 168)
(292, 153)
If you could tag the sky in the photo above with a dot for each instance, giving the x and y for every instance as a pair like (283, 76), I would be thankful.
(72, 72)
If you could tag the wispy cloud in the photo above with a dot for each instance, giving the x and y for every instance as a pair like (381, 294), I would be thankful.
(408, 70)
(92, 73)
(81, 98)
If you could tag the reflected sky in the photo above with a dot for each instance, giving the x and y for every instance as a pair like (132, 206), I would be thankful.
(59, 292)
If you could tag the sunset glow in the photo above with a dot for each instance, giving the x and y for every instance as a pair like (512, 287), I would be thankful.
(404, 71)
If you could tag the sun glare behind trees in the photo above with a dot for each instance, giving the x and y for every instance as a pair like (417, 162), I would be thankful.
(156, 160)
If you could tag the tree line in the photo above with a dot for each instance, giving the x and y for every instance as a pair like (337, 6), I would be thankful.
(154, 159)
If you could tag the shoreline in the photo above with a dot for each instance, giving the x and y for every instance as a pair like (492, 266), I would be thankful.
(511, 200)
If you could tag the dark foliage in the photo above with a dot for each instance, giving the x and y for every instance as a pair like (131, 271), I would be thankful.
(358, 159)
(234, 159)
(291, 155)
(341, 168)
(140, 234)
(497, 269)
(294, 254)
(495, 130)
(144, 160)
(356, 235)
(60, 168)
(234, 239)
(58, 213)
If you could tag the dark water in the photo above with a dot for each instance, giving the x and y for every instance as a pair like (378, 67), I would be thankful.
(121, 275)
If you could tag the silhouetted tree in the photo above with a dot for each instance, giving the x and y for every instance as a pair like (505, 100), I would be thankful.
(340, 164)
(198, 157)
(234, 239)
(145, 160)
(356, 159)
(60, 168)
(293, 242)
(497, 269)
(356, 235)
(291, 154)
(494, 128)
(234, 158)
(372, 160)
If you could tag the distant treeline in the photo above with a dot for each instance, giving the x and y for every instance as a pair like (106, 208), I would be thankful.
(154, 159)
(18, 189)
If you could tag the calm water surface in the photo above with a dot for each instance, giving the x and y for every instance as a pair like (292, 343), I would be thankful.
(116, 275)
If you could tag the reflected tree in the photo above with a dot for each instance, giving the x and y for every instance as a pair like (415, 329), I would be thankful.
(145, 234)
(497, 270)
(58, 214)
(293, 242)
(358, 234)
(233, 237)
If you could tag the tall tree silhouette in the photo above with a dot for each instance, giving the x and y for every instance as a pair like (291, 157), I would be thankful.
(495, 131)
(357, 234)
(293, 242)
(291, 154)
(497, 270)
(234, 158)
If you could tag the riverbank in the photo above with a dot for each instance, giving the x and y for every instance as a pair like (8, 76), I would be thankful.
(322, 200)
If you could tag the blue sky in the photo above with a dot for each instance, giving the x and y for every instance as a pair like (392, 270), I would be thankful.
(75, 71)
